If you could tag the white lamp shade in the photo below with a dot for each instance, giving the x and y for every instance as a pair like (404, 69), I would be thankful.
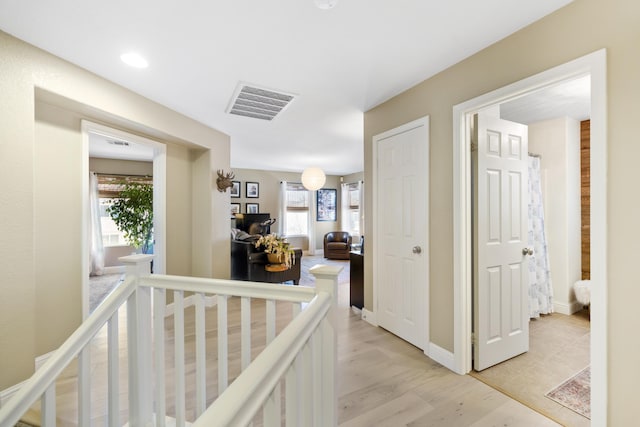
(313, 178)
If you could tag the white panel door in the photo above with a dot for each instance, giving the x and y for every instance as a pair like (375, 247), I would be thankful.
(501, 320)
(401, 239)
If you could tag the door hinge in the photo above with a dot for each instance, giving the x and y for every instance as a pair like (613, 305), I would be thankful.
(473, 338)
(474, 147)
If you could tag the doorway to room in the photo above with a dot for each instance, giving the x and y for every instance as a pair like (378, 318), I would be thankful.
(552, 332)
(593, 65)
(119, 156)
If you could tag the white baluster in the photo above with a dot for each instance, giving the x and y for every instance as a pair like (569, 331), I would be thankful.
(223, 345)
(48, 406)
(292, 393)
(306, 395)
(271, 320)
(270, 410)
(139, 343)
(84, 386)
(296, 309)
(201, 374)
(245, 332)
(113, 361)
(178, 318)
(316, 377)
(159, 308)
(327, 281)
(275, 400)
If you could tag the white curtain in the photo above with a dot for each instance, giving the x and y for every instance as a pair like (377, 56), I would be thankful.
(282, 209)
(312, 223)
(540, 287)
(97, 249)
(361, 208)
(344, 208)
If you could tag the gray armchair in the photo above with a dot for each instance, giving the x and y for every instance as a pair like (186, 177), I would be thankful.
(337, 245)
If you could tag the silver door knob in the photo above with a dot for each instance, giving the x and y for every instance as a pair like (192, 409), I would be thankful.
(416, 250)
(527, 251)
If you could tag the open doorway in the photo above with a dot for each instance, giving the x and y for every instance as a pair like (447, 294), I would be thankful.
(113, 160)
(558, 339)
(593, 65)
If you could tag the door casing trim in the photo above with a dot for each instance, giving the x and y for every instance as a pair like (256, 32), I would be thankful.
(593, 64)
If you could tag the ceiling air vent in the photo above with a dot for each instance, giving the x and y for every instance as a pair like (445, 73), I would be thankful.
(116, 142)
(252, 101)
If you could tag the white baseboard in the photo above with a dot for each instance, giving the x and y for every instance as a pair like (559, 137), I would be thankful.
(41, 360)
(70, 371)
(210, 301)
(568, 309)
(440, 355)
(369, 316)
(356, 311)
(7, 393)
(114, 269)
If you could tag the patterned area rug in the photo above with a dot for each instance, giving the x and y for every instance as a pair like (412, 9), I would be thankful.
(308, 261)
(575, 393)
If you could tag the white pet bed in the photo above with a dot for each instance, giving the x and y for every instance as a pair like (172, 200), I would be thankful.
(582, 289)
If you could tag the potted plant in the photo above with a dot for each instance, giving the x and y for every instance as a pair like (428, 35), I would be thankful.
(132, 213)
(277, 248)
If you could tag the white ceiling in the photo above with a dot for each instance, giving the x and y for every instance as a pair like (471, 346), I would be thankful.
(118, 148)
(571, 99)
(339, 62)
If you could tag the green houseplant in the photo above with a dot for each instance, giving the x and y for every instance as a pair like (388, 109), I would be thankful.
(132, 213)
(277, 246)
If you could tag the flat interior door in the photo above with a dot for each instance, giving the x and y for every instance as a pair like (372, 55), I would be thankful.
(401, 263)
(501, 315)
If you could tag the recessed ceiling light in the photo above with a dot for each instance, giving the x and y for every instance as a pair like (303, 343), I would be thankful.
(133, 59)
(326, 4)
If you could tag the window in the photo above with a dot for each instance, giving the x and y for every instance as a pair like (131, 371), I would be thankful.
(297, 223)
(109, 187)
(111, 236)
(351, 209)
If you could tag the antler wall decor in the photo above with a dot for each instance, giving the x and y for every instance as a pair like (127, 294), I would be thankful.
(224, 180)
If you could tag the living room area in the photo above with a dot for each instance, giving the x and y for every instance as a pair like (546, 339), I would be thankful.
(304, 218)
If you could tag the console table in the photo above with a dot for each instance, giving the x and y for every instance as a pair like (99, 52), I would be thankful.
(356, 278)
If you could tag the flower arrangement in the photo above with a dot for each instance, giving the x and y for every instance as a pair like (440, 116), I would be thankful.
(277, 246)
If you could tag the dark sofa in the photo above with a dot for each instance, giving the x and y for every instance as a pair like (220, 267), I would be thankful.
(247, 263)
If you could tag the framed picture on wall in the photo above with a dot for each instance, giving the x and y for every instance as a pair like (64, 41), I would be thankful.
(252, 190)
(326, 204)
(253, 208)
(235, 208)
(235, 189)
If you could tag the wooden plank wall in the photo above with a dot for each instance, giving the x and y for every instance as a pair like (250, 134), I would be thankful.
(585, 183)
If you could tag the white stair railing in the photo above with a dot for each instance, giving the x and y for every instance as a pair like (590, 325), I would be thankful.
(301, 358)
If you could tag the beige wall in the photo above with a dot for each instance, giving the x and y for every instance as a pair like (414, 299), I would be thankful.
(269, 192)
(557, 142)
(580, 28)
(58, 213)
(43, 99)
(120, 167)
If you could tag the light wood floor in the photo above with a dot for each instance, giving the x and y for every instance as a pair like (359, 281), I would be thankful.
(382, 380)
(558, 349)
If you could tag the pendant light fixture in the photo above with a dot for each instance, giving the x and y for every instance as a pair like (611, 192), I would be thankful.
(313, 178)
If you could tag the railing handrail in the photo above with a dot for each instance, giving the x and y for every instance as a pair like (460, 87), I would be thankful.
(258, 290)
(260, 377)
(63, 356)
(240, 402)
